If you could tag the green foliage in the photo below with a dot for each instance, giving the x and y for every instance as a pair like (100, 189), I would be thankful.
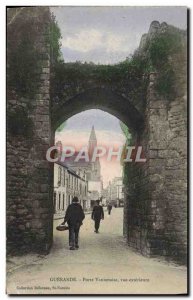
(162, 46)
(19, 123)
(121, 72)
(160, 49)
(165, 82)
(69, 75)
(128, 135)
(61, 127)
(23, 66)
(127, 173)
(23, 72)
(126, 132)
(155, 57)
(55, 41)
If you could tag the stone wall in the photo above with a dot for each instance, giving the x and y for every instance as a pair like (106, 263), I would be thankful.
(29, 180)
(155, 212)
(156, 194)
(168, 162)
(137, 206)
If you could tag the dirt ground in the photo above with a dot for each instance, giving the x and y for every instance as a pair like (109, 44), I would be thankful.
(104, 264)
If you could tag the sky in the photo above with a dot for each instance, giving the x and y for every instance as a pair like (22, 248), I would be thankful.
(109, 34)
(108, 132)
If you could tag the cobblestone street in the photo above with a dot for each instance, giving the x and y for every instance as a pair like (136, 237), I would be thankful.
(103, 264)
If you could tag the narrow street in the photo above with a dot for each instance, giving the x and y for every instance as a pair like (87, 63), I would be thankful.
(104, 264)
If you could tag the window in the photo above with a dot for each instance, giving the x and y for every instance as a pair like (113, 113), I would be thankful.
(54, 202)
(59, 201)
(69, 183)
(64, 177)
(63, 201)
(80, 188)
(59, 175)
(72, 181)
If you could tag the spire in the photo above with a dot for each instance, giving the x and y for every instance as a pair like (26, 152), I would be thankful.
(92, 142)
(92, 135)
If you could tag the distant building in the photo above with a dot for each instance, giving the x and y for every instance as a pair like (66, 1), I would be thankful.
(104, 196)
(114, 192)
(67, 184)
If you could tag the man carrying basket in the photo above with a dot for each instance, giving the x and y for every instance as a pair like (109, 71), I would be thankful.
(74, 217)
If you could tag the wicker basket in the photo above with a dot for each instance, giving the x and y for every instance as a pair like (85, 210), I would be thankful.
(62, 227)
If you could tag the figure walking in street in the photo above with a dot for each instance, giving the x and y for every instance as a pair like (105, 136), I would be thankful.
(74, 217)
(97, 215)
(109, 208)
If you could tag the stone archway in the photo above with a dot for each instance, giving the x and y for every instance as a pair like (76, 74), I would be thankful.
(115, 103)
(101, 98)
(138, 208)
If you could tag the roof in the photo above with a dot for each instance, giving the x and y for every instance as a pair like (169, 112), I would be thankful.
(69, 170)
(70, 161)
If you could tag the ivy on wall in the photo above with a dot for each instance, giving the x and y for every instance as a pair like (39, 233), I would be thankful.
(54, 40)
(157, 54)
(160, 50)
(19, 123)
(68, 76)
(24, 64)
(23, 71)
(154, 57)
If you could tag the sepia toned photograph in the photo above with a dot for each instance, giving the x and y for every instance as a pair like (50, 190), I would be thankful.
(96, 150)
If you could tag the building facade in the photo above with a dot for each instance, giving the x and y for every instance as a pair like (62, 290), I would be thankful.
(67, 184)
(114, 193)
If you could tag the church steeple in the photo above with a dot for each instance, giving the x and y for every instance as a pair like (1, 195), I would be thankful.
(92, 141)
(92, 135)
(95, 165)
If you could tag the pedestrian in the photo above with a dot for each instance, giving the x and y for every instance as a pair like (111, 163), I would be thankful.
(97, 215)
(109, 208)
(74, 217)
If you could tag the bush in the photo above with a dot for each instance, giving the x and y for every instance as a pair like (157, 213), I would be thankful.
(19, 123)
(160, 49)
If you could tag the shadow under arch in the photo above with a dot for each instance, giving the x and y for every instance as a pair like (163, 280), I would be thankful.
(98, 98)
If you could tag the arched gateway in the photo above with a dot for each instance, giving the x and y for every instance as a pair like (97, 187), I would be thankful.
(100, 98)
(155, 194)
